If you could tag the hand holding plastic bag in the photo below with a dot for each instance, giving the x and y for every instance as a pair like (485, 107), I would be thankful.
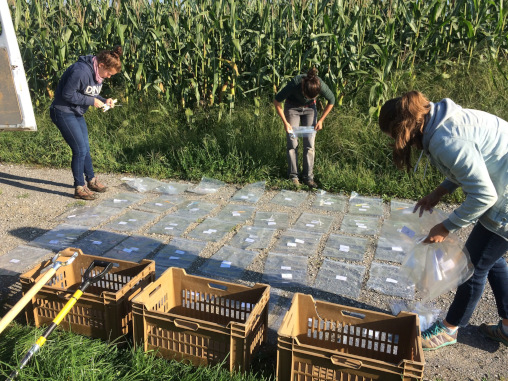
(438, 267)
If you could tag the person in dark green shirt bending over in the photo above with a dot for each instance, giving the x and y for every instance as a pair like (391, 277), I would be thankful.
(300, 110)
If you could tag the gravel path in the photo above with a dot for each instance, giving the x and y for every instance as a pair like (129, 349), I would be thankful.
(31, 198)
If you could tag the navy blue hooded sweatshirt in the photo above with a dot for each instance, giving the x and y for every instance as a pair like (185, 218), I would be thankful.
(77, 88)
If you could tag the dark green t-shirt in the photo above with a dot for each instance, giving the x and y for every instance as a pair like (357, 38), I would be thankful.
(292, 93)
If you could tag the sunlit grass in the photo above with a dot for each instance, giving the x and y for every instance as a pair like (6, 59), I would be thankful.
(351, 154)
(67, 356)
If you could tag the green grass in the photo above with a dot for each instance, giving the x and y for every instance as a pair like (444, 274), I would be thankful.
(146, 139)
(67, 356)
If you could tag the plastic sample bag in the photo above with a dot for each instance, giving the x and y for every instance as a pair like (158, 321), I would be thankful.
(144, 184)
(438, 267)
(300, 131)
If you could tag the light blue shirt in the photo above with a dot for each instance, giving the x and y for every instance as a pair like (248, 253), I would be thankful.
(470, 148)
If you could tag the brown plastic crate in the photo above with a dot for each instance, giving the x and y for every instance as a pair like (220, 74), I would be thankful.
(200, 320)
(103, 311)
(320, 341)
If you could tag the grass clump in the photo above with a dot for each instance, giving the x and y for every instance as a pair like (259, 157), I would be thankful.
(68, 356)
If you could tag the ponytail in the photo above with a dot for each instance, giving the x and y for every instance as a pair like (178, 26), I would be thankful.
(311, 85)
(111, 58)
(403, 118)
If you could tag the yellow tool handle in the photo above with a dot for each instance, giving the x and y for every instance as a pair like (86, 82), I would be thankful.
(14, 311)
(65, 310)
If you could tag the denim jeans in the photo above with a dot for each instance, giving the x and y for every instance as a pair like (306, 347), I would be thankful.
(300, 116)
(75, 133)
(487, 251)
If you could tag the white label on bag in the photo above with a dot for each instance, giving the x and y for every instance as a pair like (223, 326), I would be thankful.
(72, 216)
(173, 257)
(96, 243)
(344, 248)
(362, 210)
(168, 228)
(285, 267)
(397, 248)
(132, 220)
(287, 276)
(327, 203)
(447, 265)
(299, 240)
(122, 223)
(272, 223)
(179, 252)
(310, 225)
(134, 249)
(390, 280)
(127, 250)
(158, 204)
(225, 264)
(249, 240)
(244, 197)
(288, 199)
(53, 241)
(340, 277)
(14, 261)
(291, 244)
(173, 224)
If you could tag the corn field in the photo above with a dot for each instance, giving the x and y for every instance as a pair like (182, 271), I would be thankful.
(202, 53)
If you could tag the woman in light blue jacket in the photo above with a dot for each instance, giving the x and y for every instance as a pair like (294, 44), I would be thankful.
(470, 148)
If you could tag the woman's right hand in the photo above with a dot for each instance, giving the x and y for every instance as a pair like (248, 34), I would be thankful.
(430, 201)
(98, 103)
(288, 127)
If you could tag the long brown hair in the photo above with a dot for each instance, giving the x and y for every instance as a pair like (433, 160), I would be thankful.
(403, 118)
(111, 58)
(311, 85)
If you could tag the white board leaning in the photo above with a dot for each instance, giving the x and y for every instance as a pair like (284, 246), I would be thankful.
(16, 111)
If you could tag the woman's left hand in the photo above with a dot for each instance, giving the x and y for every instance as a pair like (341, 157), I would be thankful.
(318, 126)
(437, 234)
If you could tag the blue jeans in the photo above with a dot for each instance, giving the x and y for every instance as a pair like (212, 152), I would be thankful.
(300, 116)
(75, 133)
(487, 251)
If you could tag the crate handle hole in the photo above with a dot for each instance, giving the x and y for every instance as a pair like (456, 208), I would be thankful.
(218, 286)
(345, 361)
(186, 324)
(155, 290)
(357, 315)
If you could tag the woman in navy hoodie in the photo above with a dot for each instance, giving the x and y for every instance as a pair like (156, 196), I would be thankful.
(79, 88)
(469, 147)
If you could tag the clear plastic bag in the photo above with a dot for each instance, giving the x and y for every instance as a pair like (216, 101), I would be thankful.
(144, 184)
(438, 267)
(299, 131)
(427, 312)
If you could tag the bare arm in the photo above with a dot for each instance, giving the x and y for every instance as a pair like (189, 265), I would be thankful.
(280, 112)
(319, 124)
